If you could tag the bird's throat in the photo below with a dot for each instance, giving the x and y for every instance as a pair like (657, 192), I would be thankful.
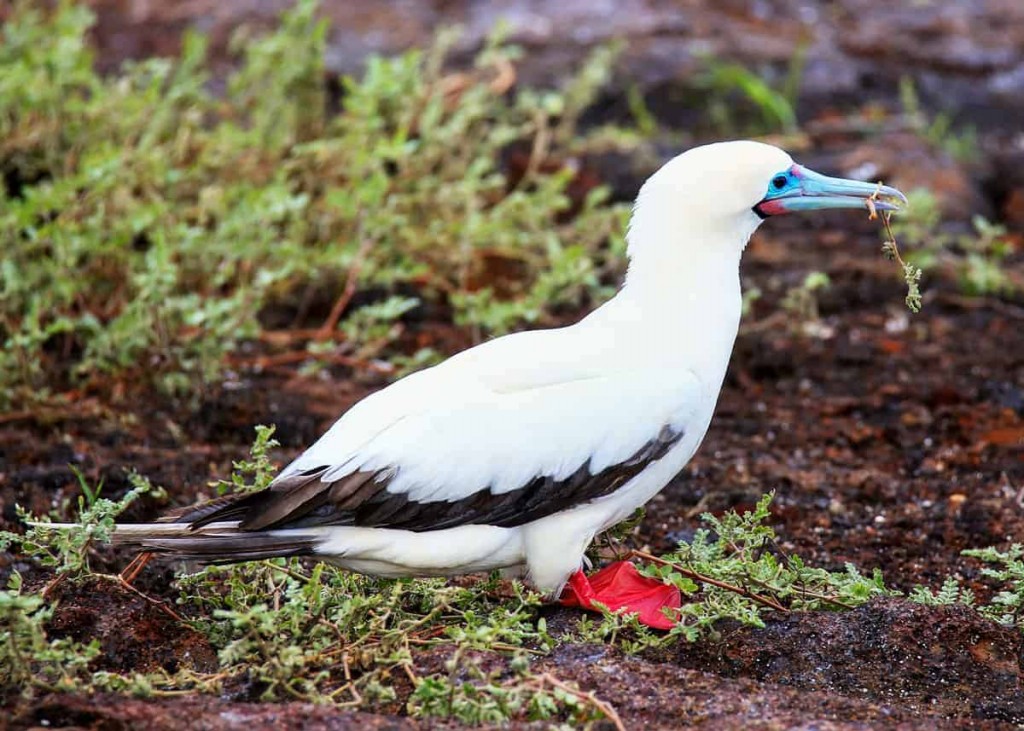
(685, 317)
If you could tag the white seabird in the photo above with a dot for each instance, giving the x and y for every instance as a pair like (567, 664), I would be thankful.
(515, 453)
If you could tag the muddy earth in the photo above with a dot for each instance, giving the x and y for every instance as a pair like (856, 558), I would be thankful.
(893, 440)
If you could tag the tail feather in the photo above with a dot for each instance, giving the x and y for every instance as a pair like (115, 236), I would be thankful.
(212, 532)
(216, 543)
(224, 508)
(230, 548)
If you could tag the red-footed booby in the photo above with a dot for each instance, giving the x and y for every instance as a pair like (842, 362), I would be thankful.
(515, 453)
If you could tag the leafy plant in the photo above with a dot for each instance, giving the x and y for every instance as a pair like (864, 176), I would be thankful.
(976, 258)
(488, 698)
(258, 471)
(1005, 606)
(802, 301)
(1006, 567)
(285, 630)
(67, 551)
(730, 570)
(28, 658)
(937, 130)
(344, 638)
(948, 594)
(146, 224)
(984, 254)
(774, 103)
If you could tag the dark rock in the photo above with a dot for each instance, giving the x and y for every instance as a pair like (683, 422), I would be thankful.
(948, 660)
(197, 713)
(135, 635)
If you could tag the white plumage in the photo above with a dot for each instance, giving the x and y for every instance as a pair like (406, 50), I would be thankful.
(572, 427)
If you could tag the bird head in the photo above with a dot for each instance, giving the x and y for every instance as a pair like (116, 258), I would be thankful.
(731, 187)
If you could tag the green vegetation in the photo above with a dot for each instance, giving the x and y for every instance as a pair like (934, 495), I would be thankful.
(28, 658)
(254, 473)
(802, 301)
(147, 224)
(948, 594)
(324, 634)
(1007, 603)
(937, 130)
(284, 629)
(773, 103)
(975, 259)
(911, 272)
(67, 552)
(735, 565)
(293, 631)
(1007, 568)
(150, 228)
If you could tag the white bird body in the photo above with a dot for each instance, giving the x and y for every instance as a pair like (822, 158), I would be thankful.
(539, 402)
(514, 454)
(535, 403)
(460, 425)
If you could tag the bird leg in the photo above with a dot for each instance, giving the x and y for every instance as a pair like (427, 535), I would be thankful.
(619, 587)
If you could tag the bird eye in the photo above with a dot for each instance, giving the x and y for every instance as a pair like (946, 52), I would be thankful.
(779, 182)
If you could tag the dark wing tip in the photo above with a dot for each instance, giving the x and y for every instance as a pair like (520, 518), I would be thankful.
(305, 500)
(230, 547)
(540, 497)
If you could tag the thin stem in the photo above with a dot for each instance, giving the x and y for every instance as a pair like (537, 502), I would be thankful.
(604, 707)
(349, 291)
(760, 599)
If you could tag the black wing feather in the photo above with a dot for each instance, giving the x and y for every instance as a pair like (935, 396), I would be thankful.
(361, 499)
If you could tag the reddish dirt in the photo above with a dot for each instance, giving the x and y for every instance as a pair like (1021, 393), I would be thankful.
(894, 652)
(135, 633)
(892, 440)
(665, 696)
(108, 712)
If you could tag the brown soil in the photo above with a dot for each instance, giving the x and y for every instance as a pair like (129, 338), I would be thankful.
(135, 633)
(892, 440)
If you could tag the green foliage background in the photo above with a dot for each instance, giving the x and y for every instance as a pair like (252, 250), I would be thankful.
(146, 223)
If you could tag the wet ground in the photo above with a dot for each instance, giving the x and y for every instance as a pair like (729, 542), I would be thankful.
(892, 440)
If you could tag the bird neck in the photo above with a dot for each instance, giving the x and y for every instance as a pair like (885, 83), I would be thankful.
(682, 289)
(684, 284)
(694, 306)
(687, 270)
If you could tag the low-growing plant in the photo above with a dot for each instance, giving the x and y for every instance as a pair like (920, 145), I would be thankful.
(146, 223)
(1007, 568)
(938, 130)
(801, 301)
(321, 633)
(976, 258)
(30, 660)
(66, 552)
(257, 472)
(733, 570)
(489, 697)
(984, 253)
(1006, 604)
(773, 102)
(285, 629)
(948, 594)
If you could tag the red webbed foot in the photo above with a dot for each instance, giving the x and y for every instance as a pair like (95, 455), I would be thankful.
(619, 586)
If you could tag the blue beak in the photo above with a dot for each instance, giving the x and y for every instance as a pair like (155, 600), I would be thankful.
(806, 190)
